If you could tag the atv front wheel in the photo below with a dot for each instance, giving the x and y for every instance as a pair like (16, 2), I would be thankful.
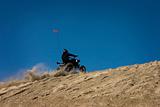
(82, 69)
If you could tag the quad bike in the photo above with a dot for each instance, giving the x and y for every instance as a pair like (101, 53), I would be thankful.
(73, 64)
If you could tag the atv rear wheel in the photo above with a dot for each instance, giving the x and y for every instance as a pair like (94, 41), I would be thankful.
(68, 67)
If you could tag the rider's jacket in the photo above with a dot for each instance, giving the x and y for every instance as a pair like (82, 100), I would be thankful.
(66, 57)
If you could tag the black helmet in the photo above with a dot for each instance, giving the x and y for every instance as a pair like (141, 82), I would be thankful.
(65, 50)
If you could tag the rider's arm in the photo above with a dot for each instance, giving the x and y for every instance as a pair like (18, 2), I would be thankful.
(72, 55)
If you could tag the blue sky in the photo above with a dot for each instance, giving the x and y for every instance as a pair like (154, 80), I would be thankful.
(104, 33)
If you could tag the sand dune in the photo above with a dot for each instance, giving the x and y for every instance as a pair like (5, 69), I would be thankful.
(128, 86)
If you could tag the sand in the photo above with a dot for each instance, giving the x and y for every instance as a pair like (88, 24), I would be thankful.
(129, 86)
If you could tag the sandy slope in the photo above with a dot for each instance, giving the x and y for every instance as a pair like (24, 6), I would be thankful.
(129, 86)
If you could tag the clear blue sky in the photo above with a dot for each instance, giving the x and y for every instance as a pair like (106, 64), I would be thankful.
(104, 33)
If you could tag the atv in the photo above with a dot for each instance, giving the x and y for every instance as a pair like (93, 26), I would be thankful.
(73, 64)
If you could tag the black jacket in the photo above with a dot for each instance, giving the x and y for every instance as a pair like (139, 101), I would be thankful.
(66, 56)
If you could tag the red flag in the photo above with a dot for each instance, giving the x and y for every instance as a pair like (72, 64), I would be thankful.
(55, 30)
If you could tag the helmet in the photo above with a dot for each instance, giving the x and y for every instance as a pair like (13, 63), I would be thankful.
(65, 50)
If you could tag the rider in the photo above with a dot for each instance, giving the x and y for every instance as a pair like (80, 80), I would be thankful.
(66, 56)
